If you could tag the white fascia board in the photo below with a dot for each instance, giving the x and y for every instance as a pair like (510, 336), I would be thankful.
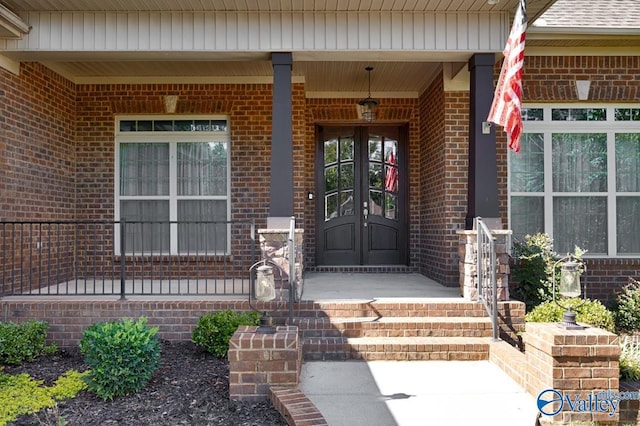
(10, 65)
(11, 23)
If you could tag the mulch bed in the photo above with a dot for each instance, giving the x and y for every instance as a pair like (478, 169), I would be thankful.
(190, 388)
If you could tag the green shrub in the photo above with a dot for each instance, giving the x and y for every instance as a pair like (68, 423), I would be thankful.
(20, 394)
(629, 359)
(534, 258)
(214, 330)
(627, 307)
(121, 356)
(592, 312)
(532, 269)
(23, 342)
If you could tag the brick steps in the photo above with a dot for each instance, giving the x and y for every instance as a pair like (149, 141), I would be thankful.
(396, 348)
(393, 307)
(395, 327)
(399, 329)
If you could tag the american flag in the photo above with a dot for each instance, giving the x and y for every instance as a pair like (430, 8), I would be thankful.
(507, 99)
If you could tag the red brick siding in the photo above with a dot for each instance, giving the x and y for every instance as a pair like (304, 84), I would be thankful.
(37, 169)
(551, 78)
(37, 146)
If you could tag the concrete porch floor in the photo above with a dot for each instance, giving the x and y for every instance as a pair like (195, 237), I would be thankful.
(318, 286)
(340, 286)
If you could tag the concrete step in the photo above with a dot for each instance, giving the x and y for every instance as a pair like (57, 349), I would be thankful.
(394, 327)
(396, 348)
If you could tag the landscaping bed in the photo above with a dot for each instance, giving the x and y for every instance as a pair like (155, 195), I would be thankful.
(191, 387)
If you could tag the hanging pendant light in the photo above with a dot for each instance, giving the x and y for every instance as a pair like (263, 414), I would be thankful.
(368, 105)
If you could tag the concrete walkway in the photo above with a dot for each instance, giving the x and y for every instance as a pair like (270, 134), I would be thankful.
(424, 393)
(388, 393)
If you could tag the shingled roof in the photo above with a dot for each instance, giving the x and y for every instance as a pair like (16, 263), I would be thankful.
(592, 14)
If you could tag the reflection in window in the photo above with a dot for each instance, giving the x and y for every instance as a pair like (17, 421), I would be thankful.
(579, 114)
(526, 168)
(339, 177)
(580, 221)
(579, 162)
(628, 162)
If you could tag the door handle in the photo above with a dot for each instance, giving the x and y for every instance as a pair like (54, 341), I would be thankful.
(365, 212)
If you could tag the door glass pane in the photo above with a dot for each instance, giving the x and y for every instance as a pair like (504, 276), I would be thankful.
(144, 169)
(375, 175)
(579, 162)
(346, 203)
(582, 222)
(330, 179)
(331, 151)
(527, 216)
(330, 206)
(391, 165)
(375, 148)
(628, 224)
(375, 203)
(206, 237)
(628, 162)
(526, 168)
(202, 168)
(346, 176)
(147, 226)
(391, 207)
(346, 149)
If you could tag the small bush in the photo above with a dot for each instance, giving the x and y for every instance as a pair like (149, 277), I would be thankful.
(627, 307)
(534, 258)
(629, 359)
(214, 330)
(20, 394)
(533, 267)
(593, 312)
(24, 342)
(121, 356)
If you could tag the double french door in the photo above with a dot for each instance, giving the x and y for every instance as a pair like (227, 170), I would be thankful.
(362, 191)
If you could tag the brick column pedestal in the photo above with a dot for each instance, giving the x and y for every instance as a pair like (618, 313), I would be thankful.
(468, 263)
(274, 246)
(576, 365)
(259, 361)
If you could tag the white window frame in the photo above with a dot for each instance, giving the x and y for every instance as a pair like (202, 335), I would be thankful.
(610, 127)
(172, 138)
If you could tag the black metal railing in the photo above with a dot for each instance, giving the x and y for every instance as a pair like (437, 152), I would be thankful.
(126, 258)
(487, 273)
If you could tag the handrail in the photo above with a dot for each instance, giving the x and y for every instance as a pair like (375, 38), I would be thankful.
(292, 265)
(486, 270)
(66, 257)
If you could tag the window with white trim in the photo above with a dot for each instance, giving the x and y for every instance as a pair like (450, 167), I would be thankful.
(172, 184)
(577, 178)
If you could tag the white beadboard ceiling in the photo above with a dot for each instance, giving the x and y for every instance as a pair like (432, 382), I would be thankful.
(396, 73)
(535, 7)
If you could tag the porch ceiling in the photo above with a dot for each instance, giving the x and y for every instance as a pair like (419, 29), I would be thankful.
(535, 8)
(396, 73)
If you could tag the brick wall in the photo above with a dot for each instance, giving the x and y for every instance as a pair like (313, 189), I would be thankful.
(37, 145)
(37, 172)
(445, 159)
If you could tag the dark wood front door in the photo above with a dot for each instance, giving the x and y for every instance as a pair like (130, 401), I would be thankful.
(362, 191)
